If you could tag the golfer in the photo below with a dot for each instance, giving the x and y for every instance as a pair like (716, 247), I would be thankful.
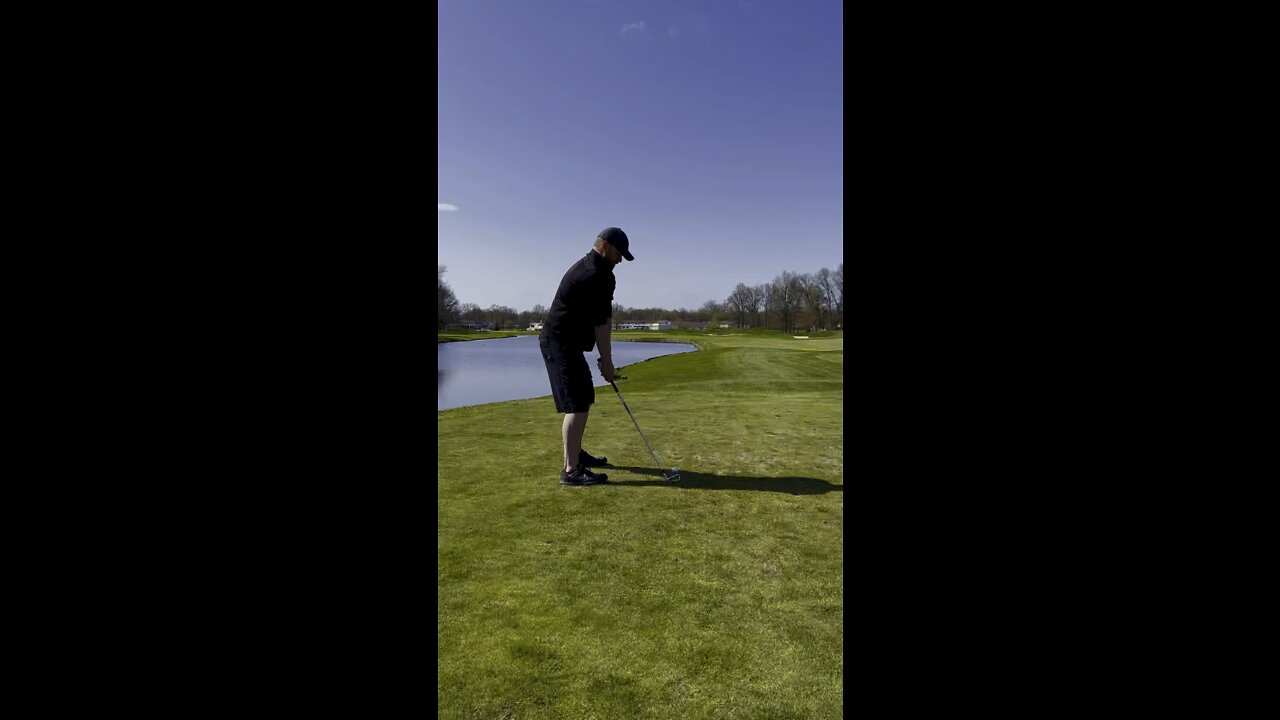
(577, 321)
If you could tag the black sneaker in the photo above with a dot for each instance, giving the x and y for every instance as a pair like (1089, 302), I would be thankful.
(586, 460)
(581, 476)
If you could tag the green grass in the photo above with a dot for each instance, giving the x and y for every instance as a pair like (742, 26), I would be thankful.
(458, 335)
(717, 597)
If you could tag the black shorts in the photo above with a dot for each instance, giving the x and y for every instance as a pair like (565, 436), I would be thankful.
(570, 377)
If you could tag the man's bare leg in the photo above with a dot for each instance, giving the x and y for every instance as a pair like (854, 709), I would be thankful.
(575, 424)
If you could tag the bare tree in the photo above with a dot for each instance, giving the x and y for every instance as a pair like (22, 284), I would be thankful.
(838, 279)
(501, 316)
(827, 288)
(446, 301)
(712, 311)
(790, 301)
(809, 310)
(740, 303)
(765, 292)
(758, 295)
(528, 317)
(785, 296)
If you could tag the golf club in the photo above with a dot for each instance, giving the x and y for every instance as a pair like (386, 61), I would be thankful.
(675, 471)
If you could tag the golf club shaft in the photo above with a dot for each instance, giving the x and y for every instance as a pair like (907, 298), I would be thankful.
(642, 437)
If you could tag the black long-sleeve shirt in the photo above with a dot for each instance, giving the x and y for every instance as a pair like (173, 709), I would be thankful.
(583, 302)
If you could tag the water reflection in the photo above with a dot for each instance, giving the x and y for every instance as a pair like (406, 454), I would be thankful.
(485, 371)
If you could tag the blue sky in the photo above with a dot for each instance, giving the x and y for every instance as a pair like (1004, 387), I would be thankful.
(711, 132)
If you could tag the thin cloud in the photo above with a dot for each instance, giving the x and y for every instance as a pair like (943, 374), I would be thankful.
(695, 24)
(446, 207)
(637, 26)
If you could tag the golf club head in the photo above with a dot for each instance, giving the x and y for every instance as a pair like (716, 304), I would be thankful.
(674, 476)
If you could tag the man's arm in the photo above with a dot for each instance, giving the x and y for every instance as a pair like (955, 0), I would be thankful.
(604, 345)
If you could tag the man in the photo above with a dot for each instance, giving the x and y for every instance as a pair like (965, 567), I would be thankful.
(577, 321)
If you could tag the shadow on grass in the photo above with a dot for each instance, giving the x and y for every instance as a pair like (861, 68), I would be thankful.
(690, 480)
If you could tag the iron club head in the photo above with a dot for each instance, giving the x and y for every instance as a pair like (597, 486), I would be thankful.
(674, 476)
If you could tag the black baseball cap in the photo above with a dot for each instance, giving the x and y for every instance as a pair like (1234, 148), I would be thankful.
(618, 239)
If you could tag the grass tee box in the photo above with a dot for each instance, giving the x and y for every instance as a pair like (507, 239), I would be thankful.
(720, 596)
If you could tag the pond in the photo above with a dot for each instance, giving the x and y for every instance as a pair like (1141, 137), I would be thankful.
(485, 371)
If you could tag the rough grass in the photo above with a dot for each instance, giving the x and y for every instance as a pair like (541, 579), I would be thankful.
(717, 597)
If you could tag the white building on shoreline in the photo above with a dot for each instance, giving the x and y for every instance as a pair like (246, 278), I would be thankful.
(659, 325)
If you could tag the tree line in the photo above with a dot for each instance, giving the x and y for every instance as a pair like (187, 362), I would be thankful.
(791, 302)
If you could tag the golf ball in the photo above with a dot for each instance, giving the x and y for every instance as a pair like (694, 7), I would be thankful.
(675, 469)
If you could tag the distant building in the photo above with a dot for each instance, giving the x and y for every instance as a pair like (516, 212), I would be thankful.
(535, 326)
(482, 326)
(659, 325)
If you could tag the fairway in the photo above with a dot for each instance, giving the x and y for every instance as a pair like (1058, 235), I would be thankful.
(720, 596)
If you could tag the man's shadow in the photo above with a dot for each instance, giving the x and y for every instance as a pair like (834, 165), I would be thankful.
(690, 480)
